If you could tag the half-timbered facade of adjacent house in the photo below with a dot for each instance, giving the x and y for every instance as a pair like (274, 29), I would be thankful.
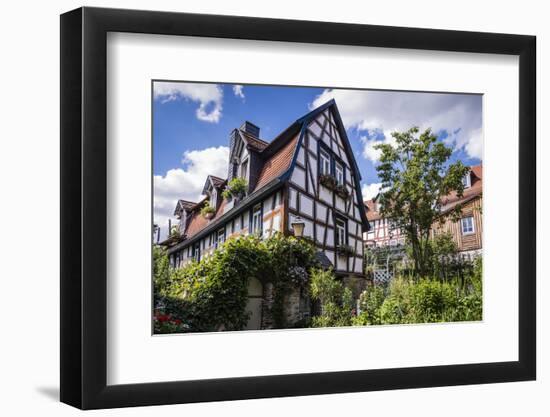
(467, 229)
(307, 174)
(382, 232)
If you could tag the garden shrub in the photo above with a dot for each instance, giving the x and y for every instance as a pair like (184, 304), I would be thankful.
(335, 299)
(370, 302)
(211, 295)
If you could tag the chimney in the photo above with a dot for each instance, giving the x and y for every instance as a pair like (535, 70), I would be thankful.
(250, 128)
(231, 165)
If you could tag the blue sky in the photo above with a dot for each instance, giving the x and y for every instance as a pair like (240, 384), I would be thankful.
(192, 122)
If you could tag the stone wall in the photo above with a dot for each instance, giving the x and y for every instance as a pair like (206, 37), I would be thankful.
(356, 284)
(267, 304)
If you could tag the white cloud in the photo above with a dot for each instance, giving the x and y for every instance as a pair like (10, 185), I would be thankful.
(238, 91)
(209, 97)
(186, 183)
(457, 114)
(371, 190)
(369, 151)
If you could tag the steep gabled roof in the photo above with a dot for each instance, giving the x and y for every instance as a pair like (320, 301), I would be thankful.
(278, 158)
(216, 182)
(183, 205)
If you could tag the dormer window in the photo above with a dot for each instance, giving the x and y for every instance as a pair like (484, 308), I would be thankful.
(183, 221)
(467, 180)
(214, 199)
(244, 169)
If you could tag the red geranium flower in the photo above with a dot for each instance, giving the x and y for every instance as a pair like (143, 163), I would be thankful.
(163, 317)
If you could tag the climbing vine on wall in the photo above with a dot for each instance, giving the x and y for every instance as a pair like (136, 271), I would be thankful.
(213, 293)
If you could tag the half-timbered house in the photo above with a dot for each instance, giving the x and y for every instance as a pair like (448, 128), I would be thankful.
(307, 174)
(467, 230)
(382, 232)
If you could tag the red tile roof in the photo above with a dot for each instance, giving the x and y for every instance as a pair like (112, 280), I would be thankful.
(372, 214)
(476, 189)
(277, 164)
(197, 222)
(272, 168)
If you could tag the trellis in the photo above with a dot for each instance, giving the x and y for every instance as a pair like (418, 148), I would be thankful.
(382, 260)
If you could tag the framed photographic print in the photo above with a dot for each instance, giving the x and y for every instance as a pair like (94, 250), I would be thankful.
(257, 208)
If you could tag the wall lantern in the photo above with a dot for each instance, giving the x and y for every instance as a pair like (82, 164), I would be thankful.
(298, 226)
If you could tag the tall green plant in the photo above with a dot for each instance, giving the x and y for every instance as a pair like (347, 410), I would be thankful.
(336, 300)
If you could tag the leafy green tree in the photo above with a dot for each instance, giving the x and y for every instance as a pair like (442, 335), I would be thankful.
(415, 175)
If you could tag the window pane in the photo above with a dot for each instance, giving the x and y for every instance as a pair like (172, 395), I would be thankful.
(467, 225)
(339, 173)
(325, 163)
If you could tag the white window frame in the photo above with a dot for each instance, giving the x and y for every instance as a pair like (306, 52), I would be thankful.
(325, 162)
(220, 234)
(256, 219)
(339, 172)
(467, 180)
(214, 199)
(340, 228)
(197, 251)
(467, 232)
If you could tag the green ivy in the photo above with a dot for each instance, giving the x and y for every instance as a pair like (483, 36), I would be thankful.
(214, 291)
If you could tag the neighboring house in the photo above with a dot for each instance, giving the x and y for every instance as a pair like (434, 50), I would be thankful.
(382, 232)
(466, 231)
(284, 185)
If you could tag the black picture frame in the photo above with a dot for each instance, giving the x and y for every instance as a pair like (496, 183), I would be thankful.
(84, 207)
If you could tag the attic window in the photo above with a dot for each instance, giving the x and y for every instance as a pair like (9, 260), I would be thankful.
(244, 169)
(467, 180)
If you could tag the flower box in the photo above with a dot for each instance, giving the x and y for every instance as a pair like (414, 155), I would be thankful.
(328, 181)
(208, 212)
(345, 250)
(342, 191)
